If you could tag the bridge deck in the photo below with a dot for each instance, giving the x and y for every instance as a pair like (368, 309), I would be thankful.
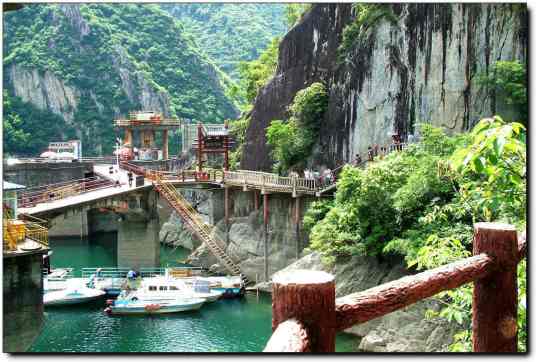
(91, 196)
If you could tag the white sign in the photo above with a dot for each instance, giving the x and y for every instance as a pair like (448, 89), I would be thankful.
(74, 146)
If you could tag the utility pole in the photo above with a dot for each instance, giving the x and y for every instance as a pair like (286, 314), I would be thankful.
(117, 145)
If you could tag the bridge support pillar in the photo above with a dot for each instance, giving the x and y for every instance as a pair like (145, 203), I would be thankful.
(128, 137)
(138, 245)
(226, 206)
(297, 225)
(70, 223)
(265, 218)
(165, 150)
(256, 199)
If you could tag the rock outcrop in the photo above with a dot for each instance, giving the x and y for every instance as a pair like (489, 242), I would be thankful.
(423, 67)
(406, 330)
(44, 90)
(245, 239)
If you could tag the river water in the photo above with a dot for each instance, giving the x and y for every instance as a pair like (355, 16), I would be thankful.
(223, 326)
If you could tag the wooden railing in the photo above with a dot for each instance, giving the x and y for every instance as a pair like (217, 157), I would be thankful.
(155, 122)
(306, 316)
(270, 182)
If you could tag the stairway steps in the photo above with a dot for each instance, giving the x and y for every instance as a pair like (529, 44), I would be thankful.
(192, 219)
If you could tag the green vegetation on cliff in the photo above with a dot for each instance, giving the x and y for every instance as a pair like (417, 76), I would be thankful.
(292, 141)
(231, 33)
(27, 129)
(422, 203)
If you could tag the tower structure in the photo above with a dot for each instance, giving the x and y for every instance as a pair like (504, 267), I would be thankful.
(213, 139)
(147, 124)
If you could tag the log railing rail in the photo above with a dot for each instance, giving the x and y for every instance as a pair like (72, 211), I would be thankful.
(298, 299)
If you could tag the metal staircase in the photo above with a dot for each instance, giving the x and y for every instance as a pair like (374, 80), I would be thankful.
(196, 224)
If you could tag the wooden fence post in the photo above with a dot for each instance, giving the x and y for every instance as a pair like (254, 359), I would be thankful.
(495, 296)
(309, 297)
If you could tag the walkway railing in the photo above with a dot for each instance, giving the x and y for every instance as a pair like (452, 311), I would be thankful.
(118, 272)
(306, 315)
(47, 193)
(17, 231)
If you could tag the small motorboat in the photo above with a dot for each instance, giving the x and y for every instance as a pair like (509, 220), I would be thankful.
(229, 286)
(59, 274)
(125, 307)
(166, 289)
(72, 295)
(58, 279)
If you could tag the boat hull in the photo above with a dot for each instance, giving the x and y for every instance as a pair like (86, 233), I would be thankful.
(60, 298)
(142, 308)
(230, 293)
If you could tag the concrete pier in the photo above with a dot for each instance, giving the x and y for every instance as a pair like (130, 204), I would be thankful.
(138, 244)
(71, 223)
(23, 300)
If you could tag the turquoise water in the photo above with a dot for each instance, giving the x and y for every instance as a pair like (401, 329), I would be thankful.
(224, 326)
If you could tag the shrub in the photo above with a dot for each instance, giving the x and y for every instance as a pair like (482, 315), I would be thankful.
(292, 141)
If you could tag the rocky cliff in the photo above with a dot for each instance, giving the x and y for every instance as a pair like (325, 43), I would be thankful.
(245, 238)
(418, 65)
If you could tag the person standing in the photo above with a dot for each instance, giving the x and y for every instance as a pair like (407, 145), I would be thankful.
(130, 178)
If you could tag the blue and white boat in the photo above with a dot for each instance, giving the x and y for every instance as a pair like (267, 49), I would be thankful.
(125, 307)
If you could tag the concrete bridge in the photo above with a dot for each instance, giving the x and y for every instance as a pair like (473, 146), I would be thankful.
(71, 207)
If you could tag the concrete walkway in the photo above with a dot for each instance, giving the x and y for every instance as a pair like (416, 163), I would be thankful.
(101, 170)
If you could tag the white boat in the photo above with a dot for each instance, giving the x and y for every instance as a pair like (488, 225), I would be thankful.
(152, 307)
(59, 274)
(228, 286)
(161, 289)
(59, 279)
(72, 295)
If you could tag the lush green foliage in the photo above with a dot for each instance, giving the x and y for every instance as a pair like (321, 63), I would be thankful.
(494, 170)
(367, 17)
(238, 130)
(294, 12)
(231, 33)
(112, 56)
(423, 202)
(27, 129)
(256, 73)
(508, 79)
(292, 141)
(316, 212)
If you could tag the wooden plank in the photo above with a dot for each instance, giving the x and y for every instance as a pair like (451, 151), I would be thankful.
(289, 336)
(495, 295)
(309, 297)
(375, 302)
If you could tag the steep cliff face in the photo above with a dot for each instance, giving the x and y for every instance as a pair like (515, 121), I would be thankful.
(44, 90)
(420, 68)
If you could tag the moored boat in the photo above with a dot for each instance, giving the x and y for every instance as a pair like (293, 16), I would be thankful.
(163, 289)
(71, 295)
(125, 307)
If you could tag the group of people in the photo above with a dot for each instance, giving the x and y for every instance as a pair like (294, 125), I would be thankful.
(325, 177)
(117, 183)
